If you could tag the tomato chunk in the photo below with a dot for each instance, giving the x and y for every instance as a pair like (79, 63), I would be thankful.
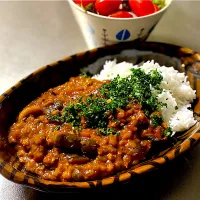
(121, 14)
(142, 7)
(107, 7)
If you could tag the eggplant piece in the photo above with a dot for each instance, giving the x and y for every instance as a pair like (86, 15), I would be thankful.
(72, 142)
(66, 140)
(88, 146)
(57, 105)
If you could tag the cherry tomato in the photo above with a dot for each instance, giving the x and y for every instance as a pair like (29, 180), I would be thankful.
(84, 3)
(121, 14)
(107, 7)
(156, 7)
(142, 7)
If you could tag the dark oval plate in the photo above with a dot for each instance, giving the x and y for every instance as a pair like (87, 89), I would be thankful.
(13, 100)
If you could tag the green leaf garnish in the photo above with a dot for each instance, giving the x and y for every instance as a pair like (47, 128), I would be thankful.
(168, 131)
(156, 120)
(117, 94)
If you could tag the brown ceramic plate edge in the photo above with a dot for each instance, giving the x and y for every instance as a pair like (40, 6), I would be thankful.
(190, 60)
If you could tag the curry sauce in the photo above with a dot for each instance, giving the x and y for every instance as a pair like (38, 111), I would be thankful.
(56, 140)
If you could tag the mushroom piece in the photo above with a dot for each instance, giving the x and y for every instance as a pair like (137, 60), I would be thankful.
(31, 110)
(72, 142)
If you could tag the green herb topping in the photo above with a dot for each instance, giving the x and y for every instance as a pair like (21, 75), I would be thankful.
(55, 118)
(168, 131)
(156, 120)
(137, 87)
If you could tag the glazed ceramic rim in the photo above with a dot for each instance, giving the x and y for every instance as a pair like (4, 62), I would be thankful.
(38, 183)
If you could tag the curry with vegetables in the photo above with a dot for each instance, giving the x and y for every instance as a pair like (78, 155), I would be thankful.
(88, 129)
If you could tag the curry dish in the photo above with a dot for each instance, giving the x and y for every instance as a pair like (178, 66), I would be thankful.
(77, 132)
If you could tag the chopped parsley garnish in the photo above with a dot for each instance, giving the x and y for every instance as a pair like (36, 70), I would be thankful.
(93, 110)
(156, 120)
(168, 131)
(118, 93)
(55, 118)
(71, 115)
(107, 131)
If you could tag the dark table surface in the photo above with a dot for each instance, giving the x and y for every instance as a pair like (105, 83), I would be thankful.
(36, 33)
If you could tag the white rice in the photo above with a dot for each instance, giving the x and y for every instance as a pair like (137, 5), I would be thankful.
(177, 93)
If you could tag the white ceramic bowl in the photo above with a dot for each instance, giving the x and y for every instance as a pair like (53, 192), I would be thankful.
(101, 31)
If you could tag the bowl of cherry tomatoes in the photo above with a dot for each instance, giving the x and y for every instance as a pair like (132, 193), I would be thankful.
(105, 22)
